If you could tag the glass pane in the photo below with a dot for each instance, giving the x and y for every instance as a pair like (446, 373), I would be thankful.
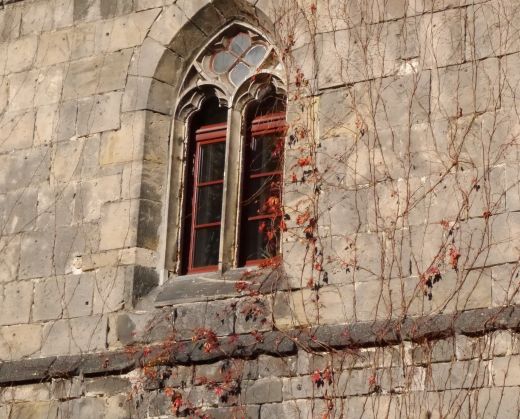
(209, 204)
(265, 152)
(222, 62)
(260, 239)
(240, 43)
(255, 55)
(211, 165)
(206, 247)
(262, 196)
(239, 73)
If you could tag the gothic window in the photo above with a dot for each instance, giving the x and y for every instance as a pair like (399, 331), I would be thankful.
(231, 116)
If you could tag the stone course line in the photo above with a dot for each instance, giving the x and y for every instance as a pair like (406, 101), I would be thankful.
(381, 333)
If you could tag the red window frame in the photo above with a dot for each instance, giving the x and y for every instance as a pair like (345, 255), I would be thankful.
(205, 135)
(272, 123)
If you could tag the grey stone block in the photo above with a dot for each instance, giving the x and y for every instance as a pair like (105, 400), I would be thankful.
(261, 391)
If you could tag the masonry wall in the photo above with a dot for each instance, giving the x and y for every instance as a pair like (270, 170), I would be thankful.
(397, 292)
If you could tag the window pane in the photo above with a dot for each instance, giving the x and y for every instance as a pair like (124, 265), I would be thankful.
(262, 196)
(222, 62)
(211, 166)
(255, 55)
(239, 73)
(209, 204)
(206, 247)
(260, 239)
(265, 153)
(240, 43)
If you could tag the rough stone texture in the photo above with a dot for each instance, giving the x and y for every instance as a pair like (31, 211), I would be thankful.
(398, 291)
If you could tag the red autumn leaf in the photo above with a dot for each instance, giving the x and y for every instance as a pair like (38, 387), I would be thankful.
(304, 161)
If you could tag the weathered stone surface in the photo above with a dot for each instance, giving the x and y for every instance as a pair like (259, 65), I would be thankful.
(15, 302)
(82, 334)
(99, 113)
(19, 341)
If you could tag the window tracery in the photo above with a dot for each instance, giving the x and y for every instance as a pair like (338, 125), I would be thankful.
(228, 220)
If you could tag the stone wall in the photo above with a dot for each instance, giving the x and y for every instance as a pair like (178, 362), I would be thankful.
(398, 288)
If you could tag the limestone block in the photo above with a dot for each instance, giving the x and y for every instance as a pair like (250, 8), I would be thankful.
(10, 22)
(111, 8)
(16, 130)
(18, 211)
(45, 291)
(505, 288)
(15, 302)
(365, 52)
(49, 86)
(54, 47)
(442, 37)
(253, 314)
(19, 341)
(331, 304)
(99, 113)
(463, 374)
(496, 402)
(152, 59)
(9, 257)
(79, 295)
(125, 144)
(74, 241)
(110, 289)
(37, 17)
(144, 93)
(97, 74)
(73, 336)
(149, 4)
(107, 386)
(214, 315)
(94, 193)
(27, 392)
(4, 90)
(509, 80)
(170, 17)
(21, 54)
(46, 124)
(63, 13)
(261, 391)
(90, 407)
(22, 88)
(66, 120)
(493, 29)
(118, 224)
(24, 167)
(34, 410)
(67, 159)
(86, 10)
(465, 89)
(84, 40)
(63, 389)
(36, 258)
(125, 31)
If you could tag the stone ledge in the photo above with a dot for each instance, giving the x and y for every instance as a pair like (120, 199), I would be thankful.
(215, 286)
(381, 333)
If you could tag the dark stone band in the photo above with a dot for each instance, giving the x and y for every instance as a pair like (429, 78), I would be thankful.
(320, 338)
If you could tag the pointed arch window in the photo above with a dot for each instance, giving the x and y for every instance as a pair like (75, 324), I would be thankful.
(231, 120)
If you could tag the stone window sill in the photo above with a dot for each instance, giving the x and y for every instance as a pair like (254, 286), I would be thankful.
(215, 285)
